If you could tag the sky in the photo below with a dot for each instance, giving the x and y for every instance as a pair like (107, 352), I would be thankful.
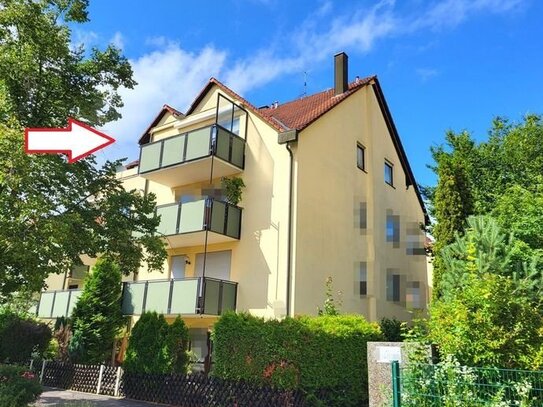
(443, 65)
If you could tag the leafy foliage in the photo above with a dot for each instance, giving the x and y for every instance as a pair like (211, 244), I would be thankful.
(156, 347)
(18, 387)
(49, 79)
(233, 189)
(177, 340)
(331, 306)
(61, 211)
(490, 311)
(392, 329)
(486, 178)
(21, 336)
(311, 353)
(97, 316)
(48, 206)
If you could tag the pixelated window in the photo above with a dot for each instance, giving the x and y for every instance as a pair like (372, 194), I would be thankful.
(393, 287)
(361, 157)
(414, 298)
(363, 279)
(362, 212)
(389, 173)
(393, 229)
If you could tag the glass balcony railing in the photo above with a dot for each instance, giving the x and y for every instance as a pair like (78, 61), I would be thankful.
(213, 215)
(55, 304)
(198, 295)
(205, 142)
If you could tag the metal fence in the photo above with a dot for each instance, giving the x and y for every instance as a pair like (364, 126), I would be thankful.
(450, 384)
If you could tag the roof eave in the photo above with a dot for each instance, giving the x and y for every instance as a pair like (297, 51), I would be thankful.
(410, 178)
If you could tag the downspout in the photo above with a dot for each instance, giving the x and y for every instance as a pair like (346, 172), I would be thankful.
(289, 234)
(287, 137)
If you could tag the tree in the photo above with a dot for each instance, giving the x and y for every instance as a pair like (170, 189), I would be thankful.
(156, 347)
(177, 341)
(97, 316)
(49, 79)
(51, 212)
(484, 179)
(451, 199)
(146, 352)
(489, 313)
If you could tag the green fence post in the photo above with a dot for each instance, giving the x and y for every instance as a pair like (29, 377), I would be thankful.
(396, 393)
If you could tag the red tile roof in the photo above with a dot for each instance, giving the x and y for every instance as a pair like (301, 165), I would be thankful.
(300, 113)
(145, 137)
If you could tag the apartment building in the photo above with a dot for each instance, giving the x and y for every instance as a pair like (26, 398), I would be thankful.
(328, 192)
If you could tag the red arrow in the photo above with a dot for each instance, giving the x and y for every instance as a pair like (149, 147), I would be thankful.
(78, 140)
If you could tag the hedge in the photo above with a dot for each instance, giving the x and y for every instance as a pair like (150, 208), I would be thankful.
(320, 355)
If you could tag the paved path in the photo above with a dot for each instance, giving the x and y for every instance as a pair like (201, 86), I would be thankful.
(55, 397)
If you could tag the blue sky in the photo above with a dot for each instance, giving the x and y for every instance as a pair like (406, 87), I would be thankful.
(448, 64)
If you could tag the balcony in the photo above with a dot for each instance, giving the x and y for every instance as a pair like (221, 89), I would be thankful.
(199, 295)
(55, 304)
(190, 157)
(185, 224)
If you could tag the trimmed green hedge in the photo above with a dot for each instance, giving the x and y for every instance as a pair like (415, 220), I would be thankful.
(325, 353)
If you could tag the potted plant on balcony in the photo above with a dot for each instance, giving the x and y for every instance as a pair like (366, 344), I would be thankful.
(233, 189)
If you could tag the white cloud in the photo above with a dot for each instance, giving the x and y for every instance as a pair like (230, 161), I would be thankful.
(426, 74)
(118, 40)
(171, 76)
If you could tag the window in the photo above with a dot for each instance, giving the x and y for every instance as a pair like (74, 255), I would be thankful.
(360, 157)
(393, 286)
(363, 279)
(389, 173)
(393, 229)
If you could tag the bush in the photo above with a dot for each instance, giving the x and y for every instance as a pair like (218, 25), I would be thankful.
(97, 317)
(315, 354)
(392, 329)
(21, 336)
(177, 341)
(488, 324)
(18, 387)
(156, 347)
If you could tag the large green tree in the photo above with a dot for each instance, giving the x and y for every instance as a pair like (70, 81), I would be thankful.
(97, 316)
(51, 212)
(48, 78)
(502, 176)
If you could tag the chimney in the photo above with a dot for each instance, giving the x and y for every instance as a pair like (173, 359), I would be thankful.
(341, 73)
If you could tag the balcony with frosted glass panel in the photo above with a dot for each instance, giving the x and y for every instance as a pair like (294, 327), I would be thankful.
(192, 157)
(188, 296)
(185, 224)
(56, 304)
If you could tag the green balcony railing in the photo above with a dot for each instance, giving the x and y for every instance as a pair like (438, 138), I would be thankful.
(196, 144)
(199, 295)
(55, 304)
(217, 216)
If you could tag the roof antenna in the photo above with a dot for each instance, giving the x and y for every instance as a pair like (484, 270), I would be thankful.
(304, 93)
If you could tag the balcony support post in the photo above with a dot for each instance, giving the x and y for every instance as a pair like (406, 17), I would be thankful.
(68, 303)
(170, 298)
(144, 297)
